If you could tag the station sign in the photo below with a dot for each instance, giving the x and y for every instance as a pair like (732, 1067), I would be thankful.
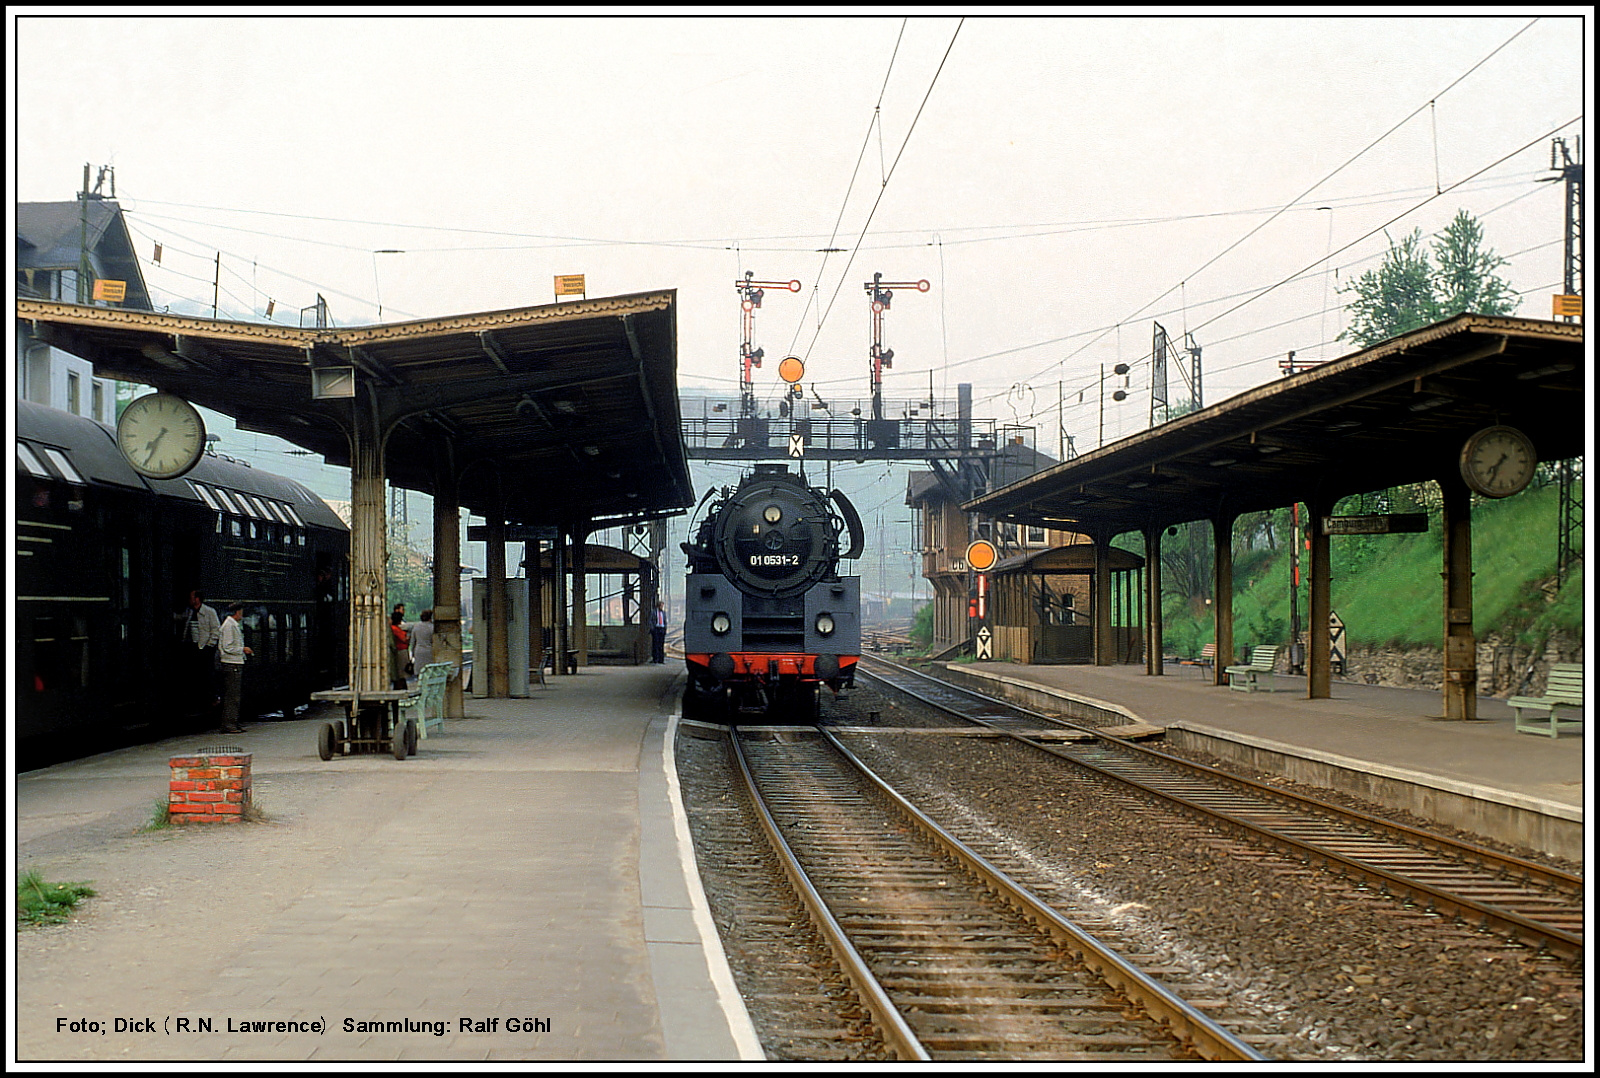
(1376, 524)
(515, 533)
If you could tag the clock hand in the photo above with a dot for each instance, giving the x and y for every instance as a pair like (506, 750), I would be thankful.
(151, 447)
(1495, 469)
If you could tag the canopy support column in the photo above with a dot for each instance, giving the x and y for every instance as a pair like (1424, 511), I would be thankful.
(1318, 670)
(369, 624)
(447, 576)
(496, 634)
(1460, 642)
(1222, 587)
(1153, 659)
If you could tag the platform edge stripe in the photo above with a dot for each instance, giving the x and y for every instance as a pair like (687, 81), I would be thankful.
(740, 1026)
(1493, 794)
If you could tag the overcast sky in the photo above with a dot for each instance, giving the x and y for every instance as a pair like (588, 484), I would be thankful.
(1052, 178)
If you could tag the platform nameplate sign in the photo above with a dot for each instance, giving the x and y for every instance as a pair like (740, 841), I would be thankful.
(1376, 524)
(515, 533)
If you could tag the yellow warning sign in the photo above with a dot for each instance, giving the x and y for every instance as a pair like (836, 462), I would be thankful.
(111, 291)
(1567, 306)
(570, 284)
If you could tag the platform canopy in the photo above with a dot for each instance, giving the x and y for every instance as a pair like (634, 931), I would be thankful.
(569, 411)
(1399, 412)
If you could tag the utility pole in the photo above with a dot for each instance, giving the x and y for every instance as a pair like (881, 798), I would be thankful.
(1569, 525)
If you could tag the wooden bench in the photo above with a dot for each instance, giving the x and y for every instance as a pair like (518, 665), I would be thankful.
(1246, 678)
(1563, 689)
(1208, 657)
(427, 707)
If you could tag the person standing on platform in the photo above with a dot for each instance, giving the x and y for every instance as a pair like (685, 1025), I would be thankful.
(422, 642)
(201, 632)
(658, 634)
(399, 649)
(232, 651)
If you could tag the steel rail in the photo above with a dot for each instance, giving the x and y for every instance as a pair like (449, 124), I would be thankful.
(892, 1027)
(1192, 1028)
(1505, 921)
(1528, 871)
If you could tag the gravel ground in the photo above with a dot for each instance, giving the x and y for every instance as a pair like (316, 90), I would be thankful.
(1326, 972)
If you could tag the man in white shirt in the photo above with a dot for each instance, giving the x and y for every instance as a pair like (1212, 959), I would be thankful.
(201, 631)
(232, 651)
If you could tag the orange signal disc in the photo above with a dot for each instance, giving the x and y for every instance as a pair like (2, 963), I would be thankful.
(981, 555)
(791, 370)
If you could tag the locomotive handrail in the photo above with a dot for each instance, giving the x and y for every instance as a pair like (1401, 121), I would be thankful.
(852, 519)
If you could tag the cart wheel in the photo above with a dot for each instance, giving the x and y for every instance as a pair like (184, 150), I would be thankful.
(325, 741)
(339, 747)
(397, 742)
(411, 737)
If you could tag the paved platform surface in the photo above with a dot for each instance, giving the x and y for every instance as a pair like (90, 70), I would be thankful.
(525, 867)
(1381, 727)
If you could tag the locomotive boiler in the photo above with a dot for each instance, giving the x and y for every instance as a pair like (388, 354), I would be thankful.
(769, 619)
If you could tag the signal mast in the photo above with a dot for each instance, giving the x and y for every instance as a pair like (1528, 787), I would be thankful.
(881, 292)
(750, 293)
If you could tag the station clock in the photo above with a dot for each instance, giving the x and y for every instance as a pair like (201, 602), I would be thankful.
(161, 436)
(1498, 461)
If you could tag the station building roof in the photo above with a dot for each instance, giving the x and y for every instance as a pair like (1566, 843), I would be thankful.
(565, 412)
(1396, 413)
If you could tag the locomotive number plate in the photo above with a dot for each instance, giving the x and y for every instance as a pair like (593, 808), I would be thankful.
(775, 559)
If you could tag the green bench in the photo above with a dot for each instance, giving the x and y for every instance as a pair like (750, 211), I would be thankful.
(1246, 678)
(427, 706)
(1563, 689)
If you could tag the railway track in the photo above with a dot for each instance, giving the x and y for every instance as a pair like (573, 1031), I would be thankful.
(954, 961)
(1534, 904)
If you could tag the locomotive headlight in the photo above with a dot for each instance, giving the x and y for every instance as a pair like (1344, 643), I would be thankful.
(721, 623)
(824, 624)
(772, 514)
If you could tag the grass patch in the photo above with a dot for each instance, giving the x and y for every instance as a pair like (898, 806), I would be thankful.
(41, 903)
(160, 819)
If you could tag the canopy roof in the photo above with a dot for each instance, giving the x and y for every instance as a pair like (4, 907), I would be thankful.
(1396, 413)
(566, 412)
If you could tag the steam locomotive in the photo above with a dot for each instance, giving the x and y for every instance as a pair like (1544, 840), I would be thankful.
(769, 620)
(105, 561)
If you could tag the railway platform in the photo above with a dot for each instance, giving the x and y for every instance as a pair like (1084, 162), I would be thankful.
(522, 889)
(1387, 745)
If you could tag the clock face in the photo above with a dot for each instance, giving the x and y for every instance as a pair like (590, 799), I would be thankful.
(161, 436)
(1497, 462)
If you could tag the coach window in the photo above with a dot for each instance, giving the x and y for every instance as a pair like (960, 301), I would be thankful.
(74, 394)
(30, 462)
(63, 465)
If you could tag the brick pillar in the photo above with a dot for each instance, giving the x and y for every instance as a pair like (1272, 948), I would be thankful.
(209, 789)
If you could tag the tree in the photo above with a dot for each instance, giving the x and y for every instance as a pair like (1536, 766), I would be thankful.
(1409, 291)
(1465, 278)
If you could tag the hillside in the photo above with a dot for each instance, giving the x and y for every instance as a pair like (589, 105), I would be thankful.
(1387, 589)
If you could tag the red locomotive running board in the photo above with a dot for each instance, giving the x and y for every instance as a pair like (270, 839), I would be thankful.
(759, 663)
